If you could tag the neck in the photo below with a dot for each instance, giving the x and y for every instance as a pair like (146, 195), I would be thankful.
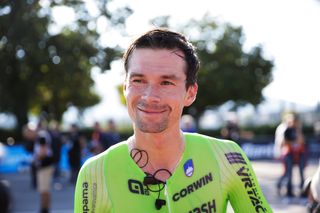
(164, 151)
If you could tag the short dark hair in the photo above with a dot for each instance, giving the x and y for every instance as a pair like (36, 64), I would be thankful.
(162, 38)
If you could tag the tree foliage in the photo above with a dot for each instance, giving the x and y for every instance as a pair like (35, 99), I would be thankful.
(227, 71)
(42, 70)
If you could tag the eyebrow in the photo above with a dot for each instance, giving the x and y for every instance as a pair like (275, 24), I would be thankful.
(132, 75)
(171, 77)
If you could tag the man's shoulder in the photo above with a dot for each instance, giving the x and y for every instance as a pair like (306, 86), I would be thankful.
(207, 138)
(214, 148)
(103, 157)
(196, 139)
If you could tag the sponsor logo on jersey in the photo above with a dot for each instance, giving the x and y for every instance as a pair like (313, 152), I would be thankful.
(252, 191)
(85, 198)
(94, 197)
(188, 168)
(137, 187)
(198, 184)
(208, 207)
(235, 157)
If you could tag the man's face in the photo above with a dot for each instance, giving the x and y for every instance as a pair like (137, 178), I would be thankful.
(155, 89)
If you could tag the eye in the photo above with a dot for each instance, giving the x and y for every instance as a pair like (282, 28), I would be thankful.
(167, 83)
(137, 80)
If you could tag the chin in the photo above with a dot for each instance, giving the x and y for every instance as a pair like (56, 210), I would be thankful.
(152, 128)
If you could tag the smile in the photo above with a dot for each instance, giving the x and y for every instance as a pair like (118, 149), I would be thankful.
(151, 111)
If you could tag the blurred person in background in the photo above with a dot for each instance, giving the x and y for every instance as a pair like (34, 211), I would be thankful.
(44, 162)
(299, 151)
(188, 123)
(291, 150)
(56, 145)
(279, 138)
(29, 133)
(316, 129)
(231, 131)
(315, 191)
(74, 152)
(312, 191)
(5, 197)
(112, 135)
(97, 139)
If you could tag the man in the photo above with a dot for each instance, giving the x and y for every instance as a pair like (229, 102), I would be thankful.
(160, 168)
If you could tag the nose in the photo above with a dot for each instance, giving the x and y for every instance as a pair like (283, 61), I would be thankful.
(151, 93)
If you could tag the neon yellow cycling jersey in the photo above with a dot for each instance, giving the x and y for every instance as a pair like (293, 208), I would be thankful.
(211, 173)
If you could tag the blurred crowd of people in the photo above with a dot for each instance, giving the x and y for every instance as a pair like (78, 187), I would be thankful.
(45, 142)
(291, 149)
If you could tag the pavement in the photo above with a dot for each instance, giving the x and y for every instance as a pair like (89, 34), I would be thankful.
(26, 200)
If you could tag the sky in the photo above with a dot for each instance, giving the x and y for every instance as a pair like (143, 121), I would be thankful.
(288, 31)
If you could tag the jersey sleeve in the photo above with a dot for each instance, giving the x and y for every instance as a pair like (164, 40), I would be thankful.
(239, 179)
(91, 194)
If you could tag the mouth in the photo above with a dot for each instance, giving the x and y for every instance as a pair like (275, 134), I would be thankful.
(151, 111)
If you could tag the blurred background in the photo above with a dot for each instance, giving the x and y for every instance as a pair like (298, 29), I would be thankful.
(61, 73)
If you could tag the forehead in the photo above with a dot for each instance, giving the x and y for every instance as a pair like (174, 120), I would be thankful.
(163, 60)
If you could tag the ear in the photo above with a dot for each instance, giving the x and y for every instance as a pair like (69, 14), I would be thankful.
(191, 95)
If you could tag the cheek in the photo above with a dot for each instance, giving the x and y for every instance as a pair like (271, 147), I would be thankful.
(126, 96)
(178, 103)
(128, 93)
(130, 99)
(130, 108)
